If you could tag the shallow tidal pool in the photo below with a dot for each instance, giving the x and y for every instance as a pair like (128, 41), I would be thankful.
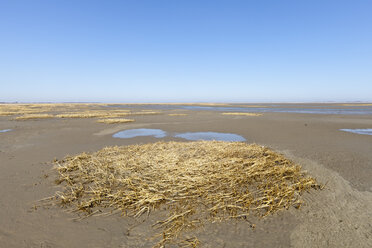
(365, 131)
(5, 130)
(158, 133)
(131, 133)
(210, 136)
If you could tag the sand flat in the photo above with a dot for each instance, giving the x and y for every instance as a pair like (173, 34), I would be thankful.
(335, 217)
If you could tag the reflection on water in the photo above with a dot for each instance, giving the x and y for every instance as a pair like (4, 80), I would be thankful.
(210, 136)
(131, 133)
(158, 133)
(366, 131)
(5, 130)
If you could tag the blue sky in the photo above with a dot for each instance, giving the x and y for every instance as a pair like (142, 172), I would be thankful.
(186, 51)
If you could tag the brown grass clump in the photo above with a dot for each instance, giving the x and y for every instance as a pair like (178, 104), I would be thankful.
(82, 115)
(114, 121)
(196, 182)
(17, 109)
(146, 113)
(95, 114)
(87, 114)
(8, 113)
(33, 117)
(63, 110)
(177, 114)
(242, 113)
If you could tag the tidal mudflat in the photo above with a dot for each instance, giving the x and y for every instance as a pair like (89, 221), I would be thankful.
(325, 109)
(336, 216)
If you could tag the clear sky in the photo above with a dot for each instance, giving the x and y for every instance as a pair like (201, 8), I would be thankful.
(184, 50)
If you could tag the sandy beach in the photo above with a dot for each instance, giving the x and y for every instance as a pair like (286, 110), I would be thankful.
(338, 216)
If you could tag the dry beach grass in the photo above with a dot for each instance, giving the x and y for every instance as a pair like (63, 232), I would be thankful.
(70, 111)
(196, 182)
(177, 114)
(33, 117)
(114, 121)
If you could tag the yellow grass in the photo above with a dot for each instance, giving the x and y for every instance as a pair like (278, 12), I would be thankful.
(8, 113)
(196, 182)
(146, 113)
(16, 109)
(114, 121)
(82, 115)
(93, 114)
(67, 110)
(242, 113)
(63, 110)
(177, 114)
(34, 116)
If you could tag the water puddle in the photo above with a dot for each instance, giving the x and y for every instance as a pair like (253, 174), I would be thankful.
(366, 131)
(210, 136)
(5, 130)
(158, 133)
(131, 133)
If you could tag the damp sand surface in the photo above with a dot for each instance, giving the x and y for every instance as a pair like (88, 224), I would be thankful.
(337, 216)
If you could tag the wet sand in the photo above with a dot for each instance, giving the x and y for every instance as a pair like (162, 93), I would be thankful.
(338, 216)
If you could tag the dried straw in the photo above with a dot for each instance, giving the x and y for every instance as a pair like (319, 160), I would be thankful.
(196, 182)
(8, 113)
(86, 114)
(177, 114)
(146, 113)
(67, 110)
(16, 109)
(33, 117)
(114, 121)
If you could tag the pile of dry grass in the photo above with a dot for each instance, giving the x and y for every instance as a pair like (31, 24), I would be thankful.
(242, 113)
(8, 113)
(33, 117)
(94, 114)
(196, 182)
(85, 114)
(17, 109)
(114, 121)
(144, 112)
(177, 114)
(67, 110)
(63, 110)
